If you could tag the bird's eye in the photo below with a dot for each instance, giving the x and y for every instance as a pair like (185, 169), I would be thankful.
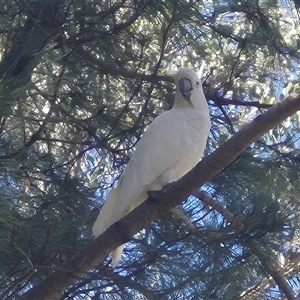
(197, 82)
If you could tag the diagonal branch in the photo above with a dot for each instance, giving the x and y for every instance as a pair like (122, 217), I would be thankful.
(257, 290)
(204, 197)
(276, 274)
(159, 203)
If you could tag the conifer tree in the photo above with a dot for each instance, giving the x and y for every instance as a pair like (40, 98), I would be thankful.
(80, 80)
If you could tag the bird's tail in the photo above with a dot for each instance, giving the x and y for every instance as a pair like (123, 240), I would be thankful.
(105, 219)
(116, 255)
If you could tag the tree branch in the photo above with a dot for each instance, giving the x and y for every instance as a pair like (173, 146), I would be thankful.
(274, 272)
(161, 202)
(256, 291)
(201, 195)
(223, 101)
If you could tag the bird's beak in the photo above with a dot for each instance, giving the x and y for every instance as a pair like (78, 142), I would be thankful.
(185, 88)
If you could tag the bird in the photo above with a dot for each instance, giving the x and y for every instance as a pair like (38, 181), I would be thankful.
(170, 147)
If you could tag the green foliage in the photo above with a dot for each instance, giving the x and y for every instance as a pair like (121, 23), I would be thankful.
(79, 83)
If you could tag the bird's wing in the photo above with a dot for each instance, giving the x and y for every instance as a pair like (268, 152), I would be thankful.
(103, 220)
(164, 154)
(150, 167)
(167, 151)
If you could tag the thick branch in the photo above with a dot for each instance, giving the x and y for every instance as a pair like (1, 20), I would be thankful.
(161, 202)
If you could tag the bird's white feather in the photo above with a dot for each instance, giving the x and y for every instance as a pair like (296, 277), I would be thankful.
(171, 146)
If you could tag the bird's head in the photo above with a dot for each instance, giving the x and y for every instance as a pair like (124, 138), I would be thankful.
(188, 89)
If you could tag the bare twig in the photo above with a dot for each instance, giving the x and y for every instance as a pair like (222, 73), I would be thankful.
(204, 197)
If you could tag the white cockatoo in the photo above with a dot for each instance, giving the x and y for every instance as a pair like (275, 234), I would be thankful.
(170, 147)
